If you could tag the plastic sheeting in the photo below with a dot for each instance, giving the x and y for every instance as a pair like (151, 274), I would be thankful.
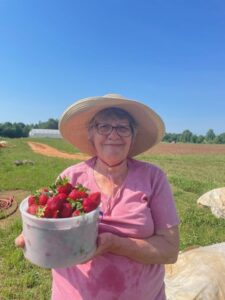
(215, 199)
(198, 274)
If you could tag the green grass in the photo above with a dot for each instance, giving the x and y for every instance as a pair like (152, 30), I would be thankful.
(190, 176)
(29, 177)
(19, 279)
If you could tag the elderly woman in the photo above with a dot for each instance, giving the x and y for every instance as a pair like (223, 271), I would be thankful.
(138, 232)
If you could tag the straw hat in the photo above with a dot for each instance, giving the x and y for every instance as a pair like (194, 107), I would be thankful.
(74, 122)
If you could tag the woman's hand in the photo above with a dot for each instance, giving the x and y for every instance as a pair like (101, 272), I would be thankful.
(105, 243)
(19, 241)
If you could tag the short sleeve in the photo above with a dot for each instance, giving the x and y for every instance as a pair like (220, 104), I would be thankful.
(162, 203)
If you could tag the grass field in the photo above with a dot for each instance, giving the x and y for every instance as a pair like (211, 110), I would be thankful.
(189, 175)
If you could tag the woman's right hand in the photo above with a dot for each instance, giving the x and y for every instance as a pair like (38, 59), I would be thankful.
(19, 241)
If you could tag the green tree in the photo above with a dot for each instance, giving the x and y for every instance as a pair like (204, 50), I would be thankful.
(200, 139)
(186, 136)
(210, 136)
(50, 124)
(220, 139)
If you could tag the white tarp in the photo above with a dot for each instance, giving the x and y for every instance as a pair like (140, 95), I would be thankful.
(198, 274)
(215, 199)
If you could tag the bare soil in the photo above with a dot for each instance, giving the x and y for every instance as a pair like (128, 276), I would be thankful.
(173, 148)
(162, 148)
(50, 151)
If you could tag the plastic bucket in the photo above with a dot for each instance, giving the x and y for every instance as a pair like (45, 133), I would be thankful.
(59, 243)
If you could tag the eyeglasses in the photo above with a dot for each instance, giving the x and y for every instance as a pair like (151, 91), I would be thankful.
(106, 129)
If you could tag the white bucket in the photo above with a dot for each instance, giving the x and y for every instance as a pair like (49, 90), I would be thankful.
(59, 243)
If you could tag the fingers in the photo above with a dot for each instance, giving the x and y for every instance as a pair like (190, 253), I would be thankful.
(19, 241)
(104, 243)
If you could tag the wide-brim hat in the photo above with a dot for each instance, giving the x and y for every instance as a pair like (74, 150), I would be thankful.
(74, 122)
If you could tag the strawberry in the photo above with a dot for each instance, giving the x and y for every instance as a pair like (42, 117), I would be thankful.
(32, 209)
(55, 214)
(63, 185)
(43, 199)
(55, 203)
(91, 202)
(31, 200)
(66, 188)
(76, 213)
(62, 196)
(66, 210)
(95, 198)
(88, 205)
(75, 194)
(47, 212)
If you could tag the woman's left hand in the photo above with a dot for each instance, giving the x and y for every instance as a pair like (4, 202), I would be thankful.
(105, 243)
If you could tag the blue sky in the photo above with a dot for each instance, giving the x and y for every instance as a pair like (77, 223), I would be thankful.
(169, 55)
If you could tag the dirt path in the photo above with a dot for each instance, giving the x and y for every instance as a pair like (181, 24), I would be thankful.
(50, 151)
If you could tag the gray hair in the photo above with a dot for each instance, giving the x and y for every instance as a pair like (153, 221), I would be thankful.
(114, 113)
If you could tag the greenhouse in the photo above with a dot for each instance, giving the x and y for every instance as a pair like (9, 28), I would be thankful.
(48, 133)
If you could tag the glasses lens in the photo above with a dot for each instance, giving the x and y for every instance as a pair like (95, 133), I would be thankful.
(104, 128)
(123, 131)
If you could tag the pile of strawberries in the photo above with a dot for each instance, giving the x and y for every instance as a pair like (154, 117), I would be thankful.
(62, 200)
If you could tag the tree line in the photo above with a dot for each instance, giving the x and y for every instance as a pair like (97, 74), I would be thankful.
(17, 130)
(188, 137)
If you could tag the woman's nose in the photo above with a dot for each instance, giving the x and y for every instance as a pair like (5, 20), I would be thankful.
(114, 133)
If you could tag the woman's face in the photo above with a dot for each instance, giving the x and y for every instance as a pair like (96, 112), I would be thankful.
(111, 148)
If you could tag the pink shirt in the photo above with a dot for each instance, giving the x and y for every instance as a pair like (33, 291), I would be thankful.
(143, 204)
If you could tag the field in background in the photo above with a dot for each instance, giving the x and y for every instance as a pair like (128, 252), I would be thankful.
(179, 148)
(190, 176)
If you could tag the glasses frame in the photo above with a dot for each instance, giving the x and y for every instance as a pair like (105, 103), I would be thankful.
(112, 128)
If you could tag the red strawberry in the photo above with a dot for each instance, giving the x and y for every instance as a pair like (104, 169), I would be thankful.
(62, 196)
(88, 205)
(75, 194)
(55, 214)
(32, 209)
(92, 202)
(95, 198)
(76, 213)
(66, 210)
(66, 188)
(47, 212)
(43, 199)
(55, 203)
(32, 200)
